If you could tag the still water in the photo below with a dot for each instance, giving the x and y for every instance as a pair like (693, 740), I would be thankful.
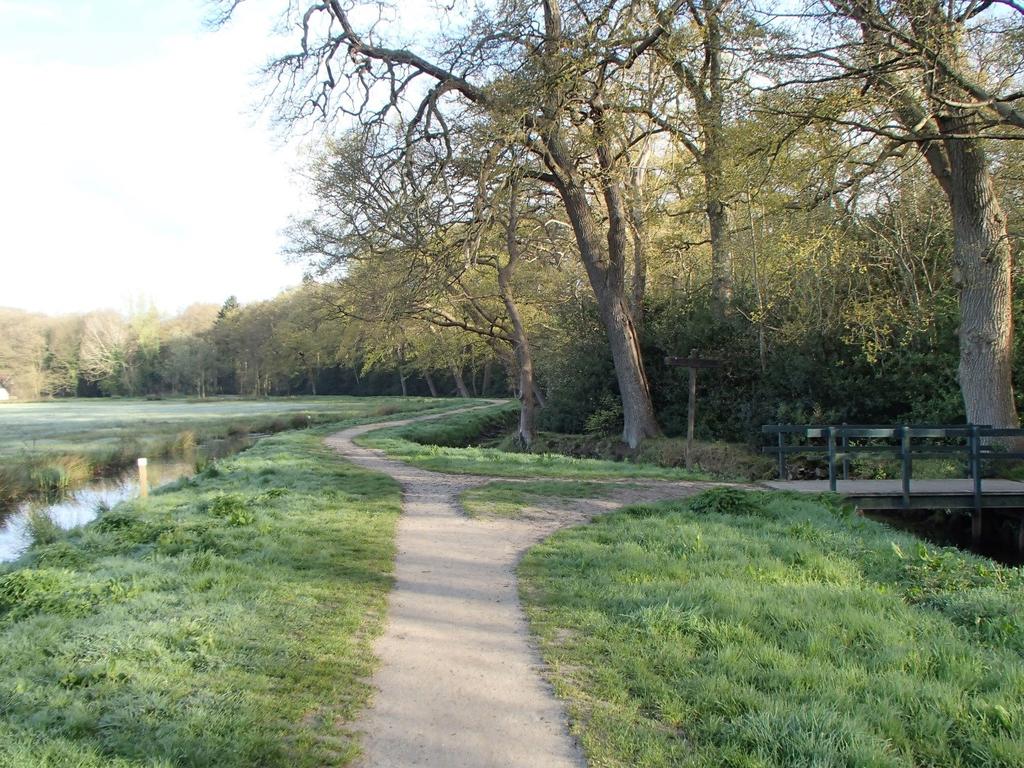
(83, 505)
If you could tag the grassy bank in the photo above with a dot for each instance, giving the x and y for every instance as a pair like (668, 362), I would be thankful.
(226, 621)
(452, 445)
(766, 630)
(50, 447)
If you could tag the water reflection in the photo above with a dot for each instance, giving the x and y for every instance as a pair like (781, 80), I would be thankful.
(83, 505)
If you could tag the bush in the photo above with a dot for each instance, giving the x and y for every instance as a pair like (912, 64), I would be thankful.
(300, 420)
(606, 419)
(730, 501)
(233, 508)
(41, 527)
(813, 375)
(731, 460)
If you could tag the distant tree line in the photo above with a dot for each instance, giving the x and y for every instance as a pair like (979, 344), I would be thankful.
(289, 345)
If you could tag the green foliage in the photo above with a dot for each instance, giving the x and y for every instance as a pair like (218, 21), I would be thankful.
(770, 630)
(729, 501)
(233, 508)
(718, 459)
(606, 419)
(813, 375)
(41, 527)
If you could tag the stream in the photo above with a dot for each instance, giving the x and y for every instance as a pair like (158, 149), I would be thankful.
(82, 505)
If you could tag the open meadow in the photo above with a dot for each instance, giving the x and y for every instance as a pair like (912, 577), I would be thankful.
(54, 446)
(97, 424)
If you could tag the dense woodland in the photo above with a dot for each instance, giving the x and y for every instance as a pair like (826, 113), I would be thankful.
(545, 199)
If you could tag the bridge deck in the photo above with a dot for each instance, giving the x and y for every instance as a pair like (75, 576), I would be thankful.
(924, 494)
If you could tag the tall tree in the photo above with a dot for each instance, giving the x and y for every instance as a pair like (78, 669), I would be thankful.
(544, 88)
(942, 77)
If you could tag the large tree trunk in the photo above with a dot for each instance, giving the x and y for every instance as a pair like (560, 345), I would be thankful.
(981, 252)
(488, 372)
(605, 266)
(707, 85)
(430, 383)
(718, 223)
(527, 432)
(460, 383)
(639, 422)
(712, 120)
(981, 248)
(604, 261)
(638, 226)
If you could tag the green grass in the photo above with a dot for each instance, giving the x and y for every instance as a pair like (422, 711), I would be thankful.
(50, 447)
(226, 621)
(768, 630)
(508, 499)
(444, 446)
(90, 424)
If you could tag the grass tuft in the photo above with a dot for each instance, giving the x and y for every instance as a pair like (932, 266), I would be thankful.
(730, 501)
(41, 528)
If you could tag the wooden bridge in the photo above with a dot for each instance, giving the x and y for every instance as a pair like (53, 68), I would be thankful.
(978, 447)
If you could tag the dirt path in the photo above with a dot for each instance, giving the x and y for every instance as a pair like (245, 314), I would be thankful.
(460, 684)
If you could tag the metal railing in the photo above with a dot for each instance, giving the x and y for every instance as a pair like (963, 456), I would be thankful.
(975, 443)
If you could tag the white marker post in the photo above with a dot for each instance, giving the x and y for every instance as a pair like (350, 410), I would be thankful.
(143, 478)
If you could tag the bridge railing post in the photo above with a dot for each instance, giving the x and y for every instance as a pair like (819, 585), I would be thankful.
(974, 448)
(830, 441)
(782, 456)
(906, 463)
(846, 453)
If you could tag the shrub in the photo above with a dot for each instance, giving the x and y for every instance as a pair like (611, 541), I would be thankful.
(300, 420)
(185, 443)
(41, 527)
(606, 419)
(233, 508)
(729, 501)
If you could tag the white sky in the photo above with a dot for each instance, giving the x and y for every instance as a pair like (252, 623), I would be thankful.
(131, 163)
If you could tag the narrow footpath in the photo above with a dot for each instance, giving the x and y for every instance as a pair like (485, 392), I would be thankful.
(460, 684)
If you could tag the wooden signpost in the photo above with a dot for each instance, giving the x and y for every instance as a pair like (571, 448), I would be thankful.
(693, 363)
(143, 477)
